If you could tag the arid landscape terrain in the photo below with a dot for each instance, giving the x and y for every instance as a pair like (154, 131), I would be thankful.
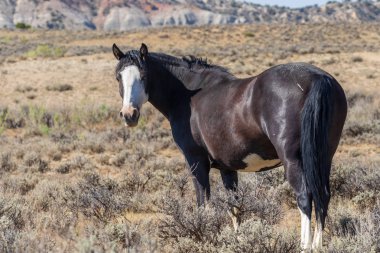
(116, 15)
(73, 178)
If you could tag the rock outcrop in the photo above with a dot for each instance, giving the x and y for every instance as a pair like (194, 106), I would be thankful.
(129, 14)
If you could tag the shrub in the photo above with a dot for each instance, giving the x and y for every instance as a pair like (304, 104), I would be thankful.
(357, 59)
(6, 163)
(183, 220)
(137, 181)
(256, 236)
(356, 181)
(95, 146)
(124, 235)
(81, 162)
(119, 159)
(341, 221)
(22, 26)
(251, 198)
(25, 89)
(3, 118)
(59, 87)
(95, 197)
(11, 223)
(54, 154)
(191, 229)
(64, 168)
(35, 162)
(249, 34)
(19, 185)
(359, 233)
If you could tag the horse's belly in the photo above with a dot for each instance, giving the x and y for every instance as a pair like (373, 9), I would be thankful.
(255, 163)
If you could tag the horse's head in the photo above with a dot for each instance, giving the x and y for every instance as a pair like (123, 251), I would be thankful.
(131, 72)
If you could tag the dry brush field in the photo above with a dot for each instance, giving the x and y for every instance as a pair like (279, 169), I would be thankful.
(74, 179)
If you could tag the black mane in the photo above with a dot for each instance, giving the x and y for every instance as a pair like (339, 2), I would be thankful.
(190, 62)
(188, 68)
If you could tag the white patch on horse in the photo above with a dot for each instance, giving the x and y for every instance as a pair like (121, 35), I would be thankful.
(256, 163)
(299, 86)
(234, 214)
(305, 232)
(134, 92)
(317, 240)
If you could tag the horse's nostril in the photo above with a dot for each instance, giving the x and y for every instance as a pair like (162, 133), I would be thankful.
(135, 114)
(121, 114)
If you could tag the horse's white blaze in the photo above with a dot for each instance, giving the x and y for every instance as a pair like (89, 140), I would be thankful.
(134, 92)
(255, 163)
(305, 231)
(317, 240)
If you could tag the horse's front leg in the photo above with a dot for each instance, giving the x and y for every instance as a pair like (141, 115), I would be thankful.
(200, 168)
(230, 182)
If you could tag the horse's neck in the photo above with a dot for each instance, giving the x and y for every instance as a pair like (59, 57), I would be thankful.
(166, 92)
(172, 87)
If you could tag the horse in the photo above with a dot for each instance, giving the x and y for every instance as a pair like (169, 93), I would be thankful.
(290, 115)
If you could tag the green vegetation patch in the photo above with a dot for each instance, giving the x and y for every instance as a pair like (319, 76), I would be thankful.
(46, 51)
(22, 26)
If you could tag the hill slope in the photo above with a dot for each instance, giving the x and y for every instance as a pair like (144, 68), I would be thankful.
(129, 14)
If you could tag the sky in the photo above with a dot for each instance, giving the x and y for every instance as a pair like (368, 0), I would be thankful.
(293, 4)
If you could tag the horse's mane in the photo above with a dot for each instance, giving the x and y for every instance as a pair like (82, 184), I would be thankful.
(185, 67)
(190, 62)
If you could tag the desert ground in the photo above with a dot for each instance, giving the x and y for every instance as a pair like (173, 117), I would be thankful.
(73, 178)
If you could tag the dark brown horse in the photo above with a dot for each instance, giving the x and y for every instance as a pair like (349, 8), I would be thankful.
(290, 115)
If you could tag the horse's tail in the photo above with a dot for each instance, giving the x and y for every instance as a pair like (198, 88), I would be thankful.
(315, 125)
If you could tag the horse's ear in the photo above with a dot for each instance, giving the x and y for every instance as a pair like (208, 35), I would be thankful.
(143, 51)
(117, 52)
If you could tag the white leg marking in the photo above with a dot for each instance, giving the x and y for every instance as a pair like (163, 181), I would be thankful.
(317, 240)
(305, 232)
(234, 213)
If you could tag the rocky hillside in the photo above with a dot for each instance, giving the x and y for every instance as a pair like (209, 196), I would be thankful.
(129, 14)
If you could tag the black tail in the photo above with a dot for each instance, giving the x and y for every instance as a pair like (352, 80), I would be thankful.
(315, 125)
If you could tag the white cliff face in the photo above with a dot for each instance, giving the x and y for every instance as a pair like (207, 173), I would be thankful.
(123, 19)
(27, 12)
(49, 14)
(186, 16)
(126, 15)
(6, 13)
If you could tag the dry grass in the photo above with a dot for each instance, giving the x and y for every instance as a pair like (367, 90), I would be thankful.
(73, 178)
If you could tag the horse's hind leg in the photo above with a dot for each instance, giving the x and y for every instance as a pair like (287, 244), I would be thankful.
(295, 177)
(317, 239)
(230, 182)
(320, 224)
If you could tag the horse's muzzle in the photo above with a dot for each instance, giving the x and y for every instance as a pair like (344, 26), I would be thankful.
(131, 115)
